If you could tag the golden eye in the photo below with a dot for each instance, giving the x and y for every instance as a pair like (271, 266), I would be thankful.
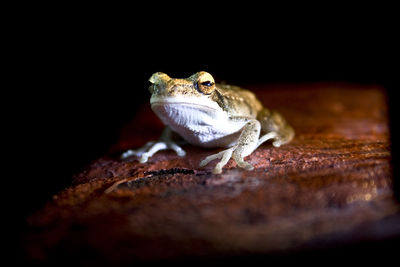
(205, 83)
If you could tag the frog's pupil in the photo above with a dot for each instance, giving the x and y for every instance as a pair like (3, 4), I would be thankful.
(206, 83)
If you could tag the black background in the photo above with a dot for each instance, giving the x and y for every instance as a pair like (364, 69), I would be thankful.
(80, 77)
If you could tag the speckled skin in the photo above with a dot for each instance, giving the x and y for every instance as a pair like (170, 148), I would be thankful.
(211, 115)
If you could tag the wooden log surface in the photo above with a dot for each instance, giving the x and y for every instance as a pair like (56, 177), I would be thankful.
(330, 187)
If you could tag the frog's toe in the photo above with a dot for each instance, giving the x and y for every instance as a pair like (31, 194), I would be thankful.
(144, 158)
(205, 161)
(139, 152)
(245, 165)
(241, 163)
(277, 143)
(249, 167)
(217, 170)
(178, 150)
(181, 153)
(127, 154)
(224, 155)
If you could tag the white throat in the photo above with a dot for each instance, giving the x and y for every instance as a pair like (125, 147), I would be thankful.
(199, 120)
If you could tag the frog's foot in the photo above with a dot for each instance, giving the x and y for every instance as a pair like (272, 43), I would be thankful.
(241, 163)
(225, 155)
(150, 148)
(138, 152)
(247, 143)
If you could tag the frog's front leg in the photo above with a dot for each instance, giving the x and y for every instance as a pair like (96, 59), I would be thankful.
(152, 147)
(247, 142)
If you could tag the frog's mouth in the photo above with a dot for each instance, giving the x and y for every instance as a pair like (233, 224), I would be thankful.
(183, 106)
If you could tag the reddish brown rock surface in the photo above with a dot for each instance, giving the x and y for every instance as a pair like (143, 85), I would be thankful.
(331, 186)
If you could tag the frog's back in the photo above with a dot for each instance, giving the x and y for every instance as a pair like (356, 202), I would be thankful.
(236, 101)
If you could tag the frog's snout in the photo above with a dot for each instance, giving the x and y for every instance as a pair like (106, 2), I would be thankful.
(159, 78)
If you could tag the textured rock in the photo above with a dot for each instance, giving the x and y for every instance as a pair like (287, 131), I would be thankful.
(331, 186)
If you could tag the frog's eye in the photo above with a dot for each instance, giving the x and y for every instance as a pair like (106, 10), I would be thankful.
(205, 83)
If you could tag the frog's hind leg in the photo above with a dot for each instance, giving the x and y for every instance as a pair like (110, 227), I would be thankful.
(276, 128)
(266, 137)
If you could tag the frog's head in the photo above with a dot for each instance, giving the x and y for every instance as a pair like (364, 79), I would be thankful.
(198, 85)
(182, 100)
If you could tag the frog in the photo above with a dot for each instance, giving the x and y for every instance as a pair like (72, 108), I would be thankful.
(211, 115)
